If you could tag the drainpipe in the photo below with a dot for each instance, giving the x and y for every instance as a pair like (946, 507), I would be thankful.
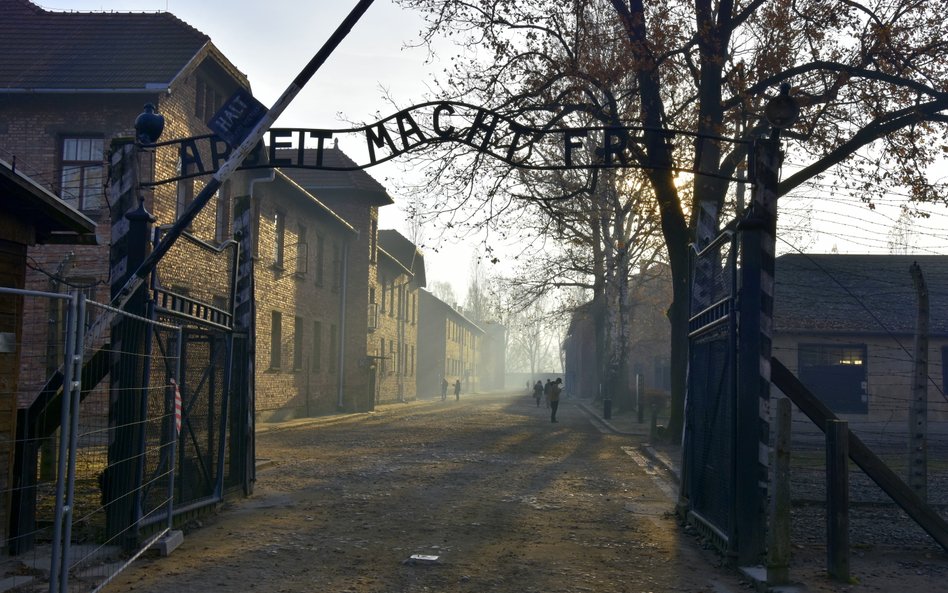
(245, 317)
(343, 293)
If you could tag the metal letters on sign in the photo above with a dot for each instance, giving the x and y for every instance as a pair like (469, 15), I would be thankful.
(429, 123)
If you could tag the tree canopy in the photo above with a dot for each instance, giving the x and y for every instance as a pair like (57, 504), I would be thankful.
(695, 76)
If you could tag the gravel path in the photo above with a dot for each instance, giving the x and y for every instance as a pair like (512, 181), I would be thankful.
(486, 493)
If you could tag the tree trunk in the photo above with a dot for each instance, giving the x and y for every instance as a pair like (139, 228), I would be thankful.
(676, 235)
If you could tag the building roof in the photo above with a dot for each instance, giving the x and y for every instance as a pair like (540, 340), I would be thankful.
(311, 200)
(328, 182)
(46, 51)
(53, 219)
(433, 304)
(857, 293)
(403, 251)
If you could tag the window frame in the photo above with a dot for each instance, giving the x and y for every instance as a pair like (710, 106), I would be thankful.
(83, 166)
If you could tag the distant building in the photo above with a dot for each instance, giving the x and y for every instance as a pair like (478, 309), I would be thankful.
(845, 324)
(580, 364)
(449, 346)
(355, 197)
(650, 295)
(393, 339)
(649, 335)
(493, 364)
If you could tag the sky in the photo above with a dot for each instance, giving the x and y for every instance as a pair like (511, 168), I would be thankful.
(271, 41)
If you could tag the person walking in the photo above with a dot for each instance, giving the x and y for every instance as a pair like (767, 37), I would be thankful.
(538, 392)
(444, 388)
(457, 390)
(555, 398)
(546, 392)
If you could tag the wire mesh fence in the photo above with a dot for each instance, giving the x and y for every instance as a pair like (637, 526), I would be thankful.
(122, 472)
(86, 492)
(36, 326)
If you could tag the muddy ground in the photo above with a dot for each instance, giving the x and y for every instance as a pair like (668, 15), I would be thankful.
(486, 493)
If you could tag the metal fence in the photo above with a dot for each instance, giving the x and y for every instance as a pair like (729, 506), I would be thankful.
(120, 479)
(90, 492)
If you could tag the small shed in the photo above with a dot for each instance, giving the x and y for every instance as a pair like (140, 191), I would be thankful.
(29, 215)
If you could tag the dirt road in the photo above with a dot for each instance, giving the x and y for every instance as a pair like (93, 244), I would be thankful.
(506, 500)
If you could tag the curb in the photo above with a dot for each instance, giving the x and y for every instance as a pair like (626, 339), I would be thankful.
(659, 458)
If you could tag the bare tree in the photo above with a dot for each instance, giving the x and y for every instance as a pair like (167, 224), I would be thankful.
(869, 75)
(444, 291)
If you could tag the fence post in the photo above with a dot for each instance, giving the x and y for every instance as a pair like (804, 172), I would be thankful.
(778, 540)
(918, 410)
(837, 499)
(640, 397)
(63, 516)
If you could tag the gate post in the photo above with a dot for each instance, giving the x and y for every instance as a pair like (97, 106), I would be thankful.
(755, 306)
(243, 450)
(131, 231)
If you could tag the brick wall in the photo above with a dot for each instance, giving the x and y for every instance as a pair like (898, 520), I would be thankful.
(306, 293)
(397, 327)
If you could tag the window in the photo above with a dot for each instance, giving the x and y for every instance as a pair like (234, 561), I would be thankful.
(276, 339)
(336, 267)
(836, 373)
(319, 259)
(279, 238)
(414, 303)
(316, 361)
(298, 344)
(391, 300)
(382, 359)
(207, 100)
(82, 181)
(333, 349)
(222, 228)
(185, 191)
(301, 250)
(391, 352)
(382, 286)
(373, 239)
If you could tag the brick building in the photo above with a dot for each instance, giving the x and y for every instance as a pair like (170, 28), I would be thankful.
(62, 104)
(393, 338)
(356, 197)
(449, 347)
(301, 293)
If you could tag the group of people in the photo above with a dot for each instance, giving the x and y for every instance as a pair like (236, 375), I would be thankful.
(551, 393)
(444, 389)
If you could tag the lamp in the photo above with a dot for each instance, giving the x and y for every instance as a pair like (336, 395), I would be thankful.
(782, 110)
(149, 125)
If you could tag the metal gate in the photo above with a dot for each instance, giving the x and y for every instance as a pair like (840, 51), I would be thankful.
(710, 413)
(726, 459)
(214, 443)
